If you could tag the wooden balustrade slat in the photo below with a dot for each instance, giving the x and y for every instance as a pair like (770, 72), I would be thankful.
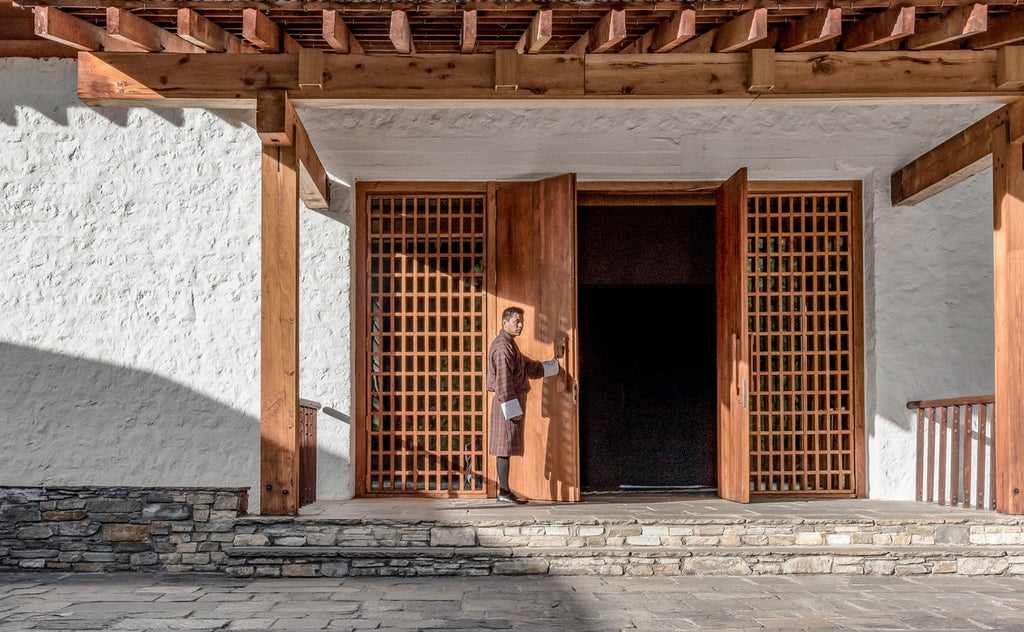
(942, 455)
(965, 498)
(930, 413)
(920, 453)
(954, 454)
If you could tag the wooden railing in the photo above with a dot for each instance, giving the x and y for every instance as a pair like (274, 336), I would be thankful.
(955, 457)
(307, 451)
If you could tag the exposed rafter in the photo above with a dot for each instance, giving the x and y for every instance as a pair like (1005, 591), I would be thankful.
(1002, 31)
(667, 35)
(206, 34)
(880, 29)
(739, 33)
(609, 31)
(337, 34)
(959, 23)
(824, 25)
(266, 35)
(537, 34)
(467, 42)
(401, 33)
(131, 29)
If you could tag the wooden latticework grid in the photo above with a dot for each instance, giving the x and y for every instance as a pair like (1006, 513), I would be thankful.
(425, 358)
(802, 296)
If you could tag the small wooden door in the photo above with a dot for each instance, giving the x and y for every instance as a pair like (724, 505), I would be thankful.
(732, 343)
(535, 266)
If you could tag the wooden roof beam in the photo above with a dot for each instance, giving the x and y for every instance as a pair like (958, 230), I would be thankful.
(880, 29)
(1002, 31)
(954, 160)
(609, 31)
(208, 35)
(337, 34)
(265, 34)
(537, 34)
(401, 33)
(739, 33)
(666, 36)
(134, 30)
(55, 25)
(823, 25)
(467, 42)
(961, 22)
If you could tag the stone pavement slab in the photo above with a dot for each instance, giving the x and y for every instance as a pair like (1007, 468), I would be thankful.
(810, 603)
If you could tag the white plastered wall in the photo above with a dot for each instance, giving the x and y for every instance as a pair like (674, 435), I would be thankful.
(130, 241)
(129, 299)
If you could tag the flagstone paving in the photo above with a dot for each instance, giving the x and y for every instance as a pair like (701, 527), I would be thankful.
(149, 601)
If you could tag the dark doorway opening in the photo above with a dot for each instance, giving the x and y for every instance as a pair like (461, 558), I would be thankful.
(646, 300)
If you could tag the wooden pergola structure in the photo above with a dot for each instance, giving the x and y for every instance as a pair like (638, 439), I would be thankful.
(278, 55)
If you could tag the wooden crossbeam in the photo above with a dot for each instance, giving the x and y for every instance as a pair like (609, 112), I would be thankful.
(1002, 31)
(959, 23)
(208, 35)
(132, 29)
(880, 29)
(821, 26)
(537, 34)
(337, 34)
(400, 33)
(609, 31)
(160, 79)
(667, 35)
(954, 160)
(740, 33)
(468, 40)
(265, 34)
(55, 25)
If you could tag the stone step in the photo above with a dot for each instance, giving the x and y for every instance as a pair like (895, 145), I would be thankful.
(716, 560)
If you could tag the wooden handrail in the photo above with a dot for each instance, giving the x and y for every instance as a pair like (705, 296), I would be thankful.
(955, 450)
(952, 401)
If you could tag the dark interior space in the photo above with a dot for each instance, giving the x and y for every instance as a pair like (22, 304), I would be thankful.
(647, 347)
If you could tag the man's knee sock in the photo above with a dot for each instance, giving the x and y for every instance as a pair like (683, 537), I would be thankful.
(502, 473)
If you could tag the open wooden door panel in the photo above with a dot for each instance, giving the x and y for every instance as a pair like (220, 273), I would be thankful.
(535, 248)
(732, 339)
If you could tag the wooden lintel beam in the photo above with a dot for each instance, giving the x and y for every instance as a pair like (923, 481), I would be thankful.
(337, 34)
(400, 33)
(821, 26)
(468, 40)
(880, 29)
(265, 34)
(132, 29)
(954, 160)
(959, 23)
(609, 31)
(1002, 31)
(208, 35)
(537, 34)
(57, 26)
(163, 79)
(666, 36)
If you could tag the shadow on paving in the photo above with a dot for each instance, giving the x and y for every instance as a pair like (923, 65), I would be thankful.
(131, 601)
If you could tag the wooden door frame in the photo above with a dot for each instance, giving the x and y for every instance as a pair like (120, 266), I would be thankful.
(604, 193)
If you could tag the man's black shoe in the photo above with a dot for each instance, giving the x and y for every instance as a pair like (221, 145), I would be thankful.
(510, 499)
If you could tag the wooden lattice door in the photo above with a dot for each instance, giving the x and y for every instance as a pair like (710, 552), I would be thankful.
(421, 304)
(803, 284)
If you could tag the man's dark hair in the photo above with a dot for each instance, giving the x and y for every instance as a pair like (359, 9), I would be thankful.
(510, 312)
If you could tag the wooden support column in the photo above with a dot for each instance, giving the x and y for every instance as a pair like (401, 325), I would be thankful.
(1008, 271)
(279, 326)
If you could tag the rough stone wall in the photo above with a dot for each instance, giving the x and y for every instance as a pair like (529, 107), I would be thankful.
(129, 341)
(94, 529)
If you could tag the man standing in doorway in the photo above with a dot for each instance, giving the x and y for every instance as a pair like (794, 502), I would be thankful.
(508, 376)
